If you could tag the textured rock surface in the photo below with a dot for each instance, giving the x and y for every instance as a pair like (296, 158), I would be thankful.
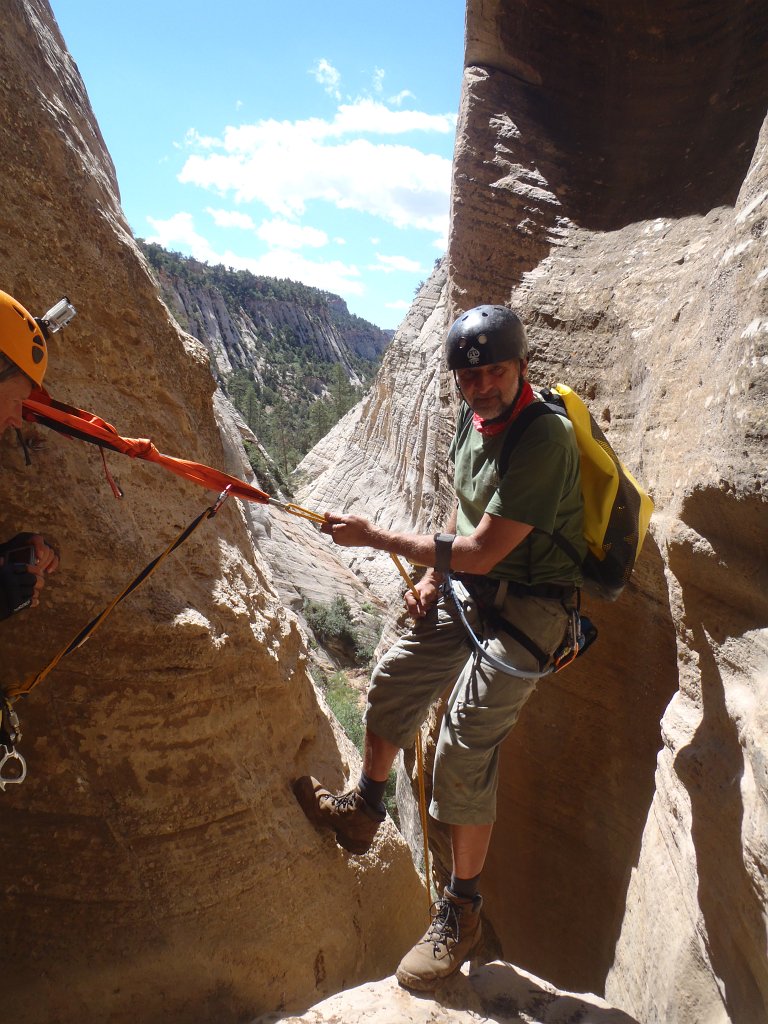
(610, 180)
(497, 992)
(385, 460)
(155, 865)
(304, 565)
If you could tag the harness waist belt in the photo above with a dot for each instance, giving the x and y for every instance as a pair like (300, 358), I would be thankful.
(557, 591)
(560, 591)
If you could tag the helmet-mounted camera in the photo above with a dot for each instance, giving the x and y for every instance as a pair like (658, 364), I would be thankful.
(58, 316)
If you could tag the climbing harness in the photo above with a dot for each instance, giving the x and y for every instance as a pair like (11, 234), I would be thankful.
(580, 634)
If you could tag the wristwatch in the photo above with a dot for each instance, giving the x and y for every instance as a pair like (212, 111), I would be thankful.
(443, 545)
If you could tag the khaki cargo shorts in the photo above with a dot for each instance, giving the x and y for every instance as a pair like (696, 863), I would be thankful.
(434, 658)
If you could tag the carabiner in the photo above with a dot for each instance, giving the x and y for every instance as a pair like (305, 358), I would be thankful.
(12, 780)
(219, 501)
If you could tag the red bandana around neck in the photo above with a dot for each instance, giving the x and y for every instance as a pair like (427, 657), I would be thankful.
(489, 428)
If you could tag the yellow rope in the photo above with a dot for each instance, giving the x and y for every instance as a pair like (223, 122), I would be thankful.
(423, 814)
(419, 765)
(13, 692)
(404, 574)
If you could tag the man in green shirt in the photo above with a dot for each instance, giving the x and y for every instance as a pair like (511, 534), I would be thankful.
(498, 544)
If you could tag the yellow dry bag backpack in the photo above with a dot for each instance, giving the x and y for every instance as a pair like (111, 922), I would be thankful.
(617, 510)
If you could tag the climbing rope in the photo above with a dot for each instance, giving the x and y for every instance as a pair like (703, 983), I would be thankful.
(10, 731)
(419, 765)
(423, 816)
(77, 641)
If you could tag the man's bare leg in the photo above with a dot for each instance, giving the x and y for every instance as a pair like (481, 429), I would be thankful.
(469, 844)
(379, 756)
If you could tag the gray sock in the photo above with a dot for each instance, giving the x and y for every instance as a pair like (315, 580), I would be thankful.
(464, 888)
(372, 791)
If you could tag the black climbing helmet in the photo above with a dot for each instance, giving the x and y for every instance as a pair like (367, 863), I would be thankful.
(484, 335)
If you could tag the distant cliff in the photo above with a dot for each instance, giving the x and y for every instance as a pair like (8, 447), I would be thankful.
(244, 320)
(292, 359)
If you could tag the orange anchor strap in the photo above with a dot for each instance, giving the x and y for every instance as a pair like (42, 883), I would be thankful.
(85, 426)
(41, 408)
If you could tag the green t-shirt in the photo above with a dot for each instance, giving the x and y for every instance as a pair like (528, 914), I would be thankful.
(542, 487)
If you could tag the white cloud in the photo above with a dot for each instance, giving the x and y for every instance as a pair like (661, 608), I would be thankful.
(180, 229)
(378, 79)
(282, 234)
(362, 117)
(287, 164)
(373, 117)
(231, 219)
(334, 276)
(397, 183)
(390, 264)
(192, 137)
(398, 304)
(326, 75)
(404, 94)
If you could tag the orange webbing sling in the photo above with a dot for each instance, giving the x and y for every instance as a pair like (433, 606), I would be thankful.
(77, 423)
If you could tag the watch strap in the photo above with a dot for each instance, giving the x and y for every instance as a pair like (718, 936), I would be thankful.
(443, 545)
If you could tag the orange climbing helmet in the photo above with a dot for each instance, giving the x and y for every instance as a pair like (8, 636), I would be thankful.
(22, 339)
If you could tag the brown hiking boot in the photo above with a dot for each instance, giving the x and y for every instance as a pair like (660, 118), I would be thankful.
(449, 941)
(351, 818)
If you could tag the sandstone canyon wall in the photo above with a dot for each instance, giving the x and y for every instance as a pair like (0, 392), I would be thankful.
(155, 865)
(611, 182)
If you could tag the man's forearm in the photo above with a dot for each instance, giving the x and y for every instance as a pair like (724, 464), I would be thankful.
(419, 548)
(479, 552)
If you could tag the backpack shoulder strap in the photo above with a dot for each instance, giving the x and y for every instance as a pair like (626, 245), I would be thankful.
(464, 421)
(551, 404)
(519, 426)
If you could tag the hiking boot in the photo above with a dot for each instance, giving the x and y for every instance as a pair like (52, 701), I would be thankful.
(450, 940)
(353, 820)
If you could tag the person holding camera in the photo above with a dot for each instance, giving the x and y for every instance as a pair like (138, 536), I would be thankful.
(27, 558)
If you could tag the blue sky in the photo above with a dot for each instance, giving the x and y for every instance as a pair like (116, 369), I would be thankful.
(295, 138)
